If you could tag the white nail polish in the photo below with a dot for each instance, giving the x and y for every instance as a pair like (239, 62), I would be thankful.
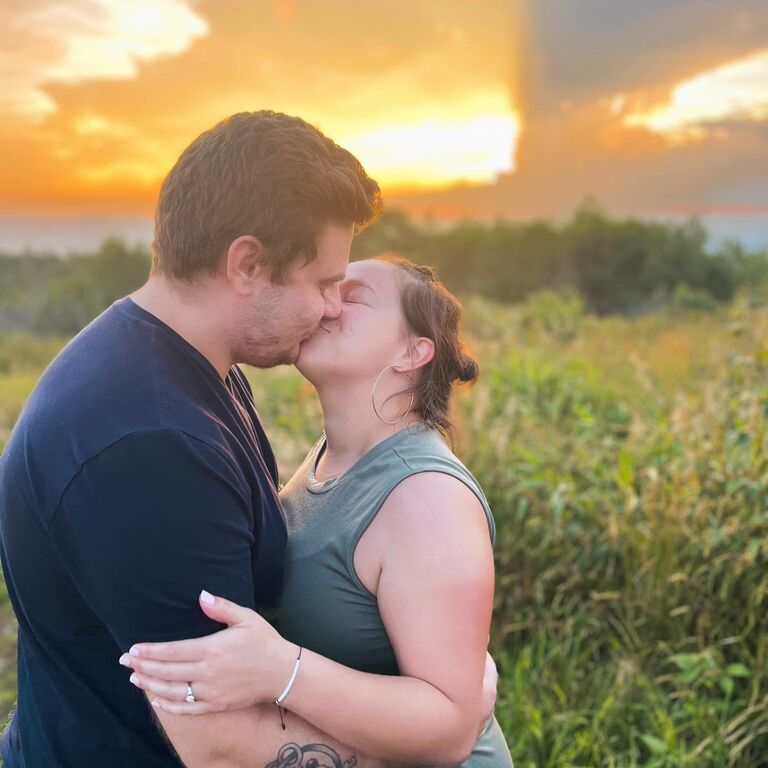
(207, 598)
(134, 651)
(124, 660)
(134, 679)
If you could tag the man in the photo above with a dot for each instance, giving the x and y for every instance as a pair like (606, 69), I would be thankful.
(139, 473)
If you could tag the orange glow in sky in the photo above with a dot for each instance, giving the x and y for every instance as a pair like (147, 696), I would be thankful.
(735, 91)
(103, 95)
(494, 105)
(438, 152)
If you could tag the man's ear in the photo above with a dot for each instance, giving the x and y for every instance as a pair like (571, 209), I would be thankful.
(420, 351)
(245, 262)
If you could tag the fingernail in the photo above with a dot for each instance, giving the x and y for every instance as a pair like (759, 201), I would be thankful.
(207, 598)
(134, 651)
(125, 660)
(134, 679)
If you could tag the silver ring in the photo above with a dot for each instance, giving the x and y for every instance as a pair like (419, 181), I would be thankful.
(190, 696)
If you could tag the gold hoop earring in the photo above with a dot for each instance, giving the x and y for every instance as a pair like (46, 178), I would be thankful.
(373, 400)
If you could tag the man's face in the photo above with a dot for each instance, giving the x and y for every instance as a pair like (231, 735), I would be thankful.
(273, 326)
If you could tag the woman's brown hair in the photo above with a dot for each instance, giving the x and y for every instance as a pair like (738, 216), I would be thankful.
(430, 310)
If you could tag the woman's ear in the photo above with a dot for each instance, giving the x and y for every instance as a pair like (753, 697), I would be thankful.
(244, 263)
(420, 351)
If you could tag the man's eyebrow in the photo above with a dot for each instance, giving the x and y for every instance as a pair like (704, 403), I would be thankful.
(338, 278)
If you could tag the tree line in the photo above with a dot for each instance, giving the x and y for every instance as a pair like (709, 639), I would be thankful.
(616, 266)
(52, 295)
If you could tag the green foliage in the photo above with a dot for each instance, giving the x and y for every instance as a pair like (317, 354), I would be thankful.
(613, 266)
(687, 299)
(632, 515)
(627, 465)
(46, 294)
(616, 266)
(560, 315)
(22, 352)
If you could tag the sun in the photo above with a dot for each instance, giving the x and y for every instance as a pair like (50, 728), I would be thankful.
(437, 153)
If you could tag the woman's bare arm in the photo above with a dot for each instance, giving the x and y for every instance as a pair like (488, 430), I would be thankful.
(435, 594)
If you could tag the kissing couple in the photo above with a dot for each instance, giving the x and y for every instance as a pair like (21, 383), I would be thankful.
(175, 605)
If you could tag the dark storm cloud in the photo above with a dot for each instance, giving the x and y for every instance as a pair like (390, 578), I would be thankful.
(588, 49)
(575, 56)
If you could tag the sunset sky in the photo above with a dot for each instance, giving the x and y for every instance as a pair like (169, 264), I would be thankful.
(460, 108)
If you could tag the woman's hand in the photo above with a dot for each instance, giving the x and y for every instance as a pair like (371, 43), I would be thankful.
(248, 663)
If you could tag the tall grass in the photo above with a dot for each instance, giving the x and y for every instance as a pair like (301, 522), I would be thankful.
(628, 471)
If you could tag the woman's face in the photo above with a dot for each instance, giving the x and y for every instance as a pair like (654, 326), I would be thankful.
(367, 336)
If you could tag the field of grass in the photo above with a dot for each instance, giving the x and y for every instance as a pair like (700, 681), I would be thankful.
(627, 467)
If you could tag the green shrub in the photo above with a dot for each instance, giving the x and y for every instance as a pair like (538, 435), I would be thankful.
(632, 549)
(686, 298)
(560, 315)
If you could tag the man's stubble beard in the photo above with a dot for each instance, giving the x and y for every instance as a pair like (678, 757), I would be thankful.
(264, 359)
(258, 340)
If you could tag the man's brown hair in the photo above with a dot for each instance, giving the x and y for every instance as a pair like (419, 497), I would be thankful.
(264, 174)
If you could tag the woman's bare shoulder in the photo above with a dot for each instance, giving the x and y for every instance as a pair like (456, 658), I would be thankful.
(434, 506)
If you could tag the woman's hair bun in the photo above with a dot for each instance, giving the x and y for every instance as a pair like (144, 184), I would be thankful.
(468, 369)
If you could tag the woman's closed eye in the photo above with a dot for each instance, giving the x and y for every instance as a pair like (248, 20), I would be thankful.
(352, 297)
(356, 292)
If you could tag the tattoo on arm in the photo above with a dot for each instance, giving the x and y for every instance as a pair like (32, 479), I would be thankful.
(292, 755)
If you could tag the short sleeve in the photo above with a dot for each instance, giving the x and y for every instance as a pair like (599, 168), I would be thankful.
(148, 523)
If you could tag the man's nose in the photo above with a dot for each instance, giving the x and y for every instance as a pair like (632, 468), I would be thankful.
(332, 307)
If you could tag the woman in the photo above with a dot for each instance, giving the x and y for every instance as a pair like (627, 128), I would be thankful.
(389, 565)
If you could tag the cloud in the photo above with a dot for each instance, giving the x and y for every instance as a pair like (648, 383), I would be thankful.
(589, 65)
(87, 40)
(591, 49)
(400, 84)
(370, 75)
(737, 91)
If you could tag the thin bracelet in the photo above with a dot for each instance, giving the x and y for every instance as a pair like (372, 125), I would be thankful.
(279, 700)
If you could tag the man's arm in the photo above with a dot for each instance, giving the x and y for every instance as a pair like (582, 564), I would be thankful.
(254, 738)
(146, 525)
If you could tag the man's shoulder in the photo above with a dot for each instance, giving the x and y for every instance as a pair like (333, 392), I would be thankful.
(94, 391)
(106, 360)
(177, 451)
(158, 465)
(107, 390)
(119, 376)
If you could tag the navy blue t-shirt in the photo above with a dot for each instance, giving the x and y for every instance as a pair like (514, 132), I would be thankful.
(134, 478)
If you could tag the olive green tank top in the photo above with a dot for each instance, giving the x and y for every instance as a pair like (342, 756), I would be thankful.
(324, 605)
